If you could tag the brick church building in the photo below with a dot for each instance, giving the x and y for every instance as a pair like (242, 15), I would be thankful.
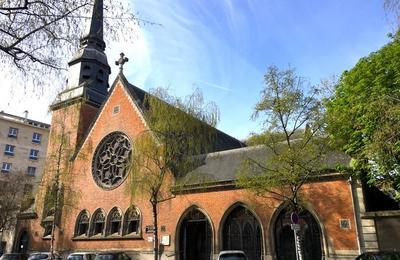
(203, 219)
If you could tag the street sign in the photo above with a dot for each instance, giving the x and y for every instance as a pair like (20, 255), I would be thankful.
(294, 217)
(295, 227)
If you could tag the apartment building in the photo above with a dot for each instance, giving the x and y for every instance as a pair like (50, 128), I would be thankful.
(23, 145)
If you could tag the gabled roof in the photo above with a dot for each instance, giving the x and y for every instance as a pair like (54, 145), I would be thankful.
(223, 141)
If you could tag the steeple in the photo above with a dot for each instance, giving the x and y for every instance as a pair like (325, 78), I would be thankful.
(94, 30)
(88, 69)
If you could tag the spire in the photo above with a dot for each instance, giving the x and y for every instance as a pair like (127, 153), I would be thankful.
(88, 68)
(94, 29)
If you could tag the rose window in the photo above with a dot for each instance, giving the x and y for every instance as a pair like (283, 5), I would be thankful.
(110, 160)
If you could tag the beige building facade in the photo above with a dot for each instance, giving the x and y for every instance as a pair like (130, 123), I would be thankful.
(23, 145)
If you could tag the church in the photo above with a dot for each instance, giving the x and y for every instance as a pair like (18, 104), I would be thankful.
(201, 220)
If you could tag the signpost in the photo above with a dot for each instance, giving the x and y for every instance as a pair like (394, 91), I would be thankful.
(294, 217)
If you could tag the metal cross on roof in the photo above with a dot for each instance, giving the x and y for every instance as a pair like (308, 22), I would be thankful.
(121, 61)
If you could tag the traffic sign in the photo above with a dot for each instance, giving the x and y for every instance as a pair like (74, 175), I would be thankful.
(294, 217)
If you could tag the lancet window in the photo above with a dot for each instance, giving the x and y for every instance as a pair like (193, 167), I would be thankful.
(114, 223)
(132, 221)
(82, 223)
(98, 223)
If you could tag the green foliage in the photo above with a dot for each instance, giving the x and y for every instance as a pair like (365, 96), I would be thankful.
(183, 128)
(53, 201)
(179, 131)
(364, 116)
(293, 136)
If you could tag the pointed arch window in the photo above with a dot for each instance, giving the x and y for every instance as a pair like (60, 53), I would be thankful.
(309, 234)
(114, 223)
(82, 223)
(242, 231)
(132, 221)
(98, 223)
(47, 223)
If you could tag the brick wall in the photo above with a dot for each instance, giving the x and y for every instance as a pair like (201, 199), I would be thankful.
(330, 200)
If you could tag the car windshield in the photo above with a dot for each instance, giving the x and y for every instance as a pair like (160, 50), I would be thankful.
(9, 257)
(106, 257)
(232, 256)
(75, 257)
(38, 256)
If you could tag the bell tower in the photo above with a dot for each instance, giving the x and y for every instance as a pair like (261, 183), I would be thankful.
(87, 86)
(88, 69)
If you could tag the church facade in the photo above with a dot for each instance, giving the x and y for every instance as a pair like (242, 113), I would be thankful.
(201, 220)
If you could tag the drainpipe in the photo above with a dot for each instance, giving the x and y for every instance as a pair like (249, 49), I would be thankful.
(357, 214)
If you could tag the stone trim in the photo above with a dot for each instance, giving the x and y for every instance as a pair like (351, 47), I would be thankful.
(380, 214)
(111, 237)
(230, 184)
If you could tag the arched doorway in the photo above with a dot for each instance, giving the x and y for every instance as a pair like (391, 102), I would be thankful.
(195, 236)
(23, 240)
(309, 235)
(242, 231)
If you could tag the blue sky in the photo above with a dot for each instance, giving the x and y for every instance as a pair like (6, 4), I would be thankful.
(224, 47)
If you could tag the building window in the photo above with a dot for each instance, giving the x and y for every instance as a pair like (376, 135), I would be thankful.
(98, 223)
(31, 171)
(33, 155)
(114, 222)
(9, 150)
(48, 225)
(111, 160)
(6, 167)
(82, 223)
(36, 138)
(116, 110)
(13, 132)
(132, 221)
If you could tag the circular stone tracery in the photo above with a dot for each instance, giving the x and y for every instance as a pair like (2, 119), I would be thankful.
(110, 160)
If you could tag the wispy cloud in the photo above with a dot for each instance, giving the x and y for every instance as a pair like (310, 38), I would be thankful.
(215, 86)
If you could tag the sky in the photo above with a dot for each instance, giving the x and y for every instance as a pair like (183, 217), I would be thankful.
(224, 47)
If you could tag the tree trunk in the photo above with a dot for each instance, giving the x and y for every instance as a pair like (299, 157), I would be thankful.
(55, 217)
(58, 188)
(155, 215)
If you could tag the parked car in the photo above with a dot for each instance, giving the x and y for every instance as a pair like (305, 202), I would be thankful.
(232, 255)
(379, 256)
(44, 256)
(14, 256)
(82, 256)
(112, 256)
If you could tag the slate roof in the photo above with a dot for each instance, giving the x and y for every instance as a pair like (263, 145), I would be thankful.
(223, 141)
(223, 166)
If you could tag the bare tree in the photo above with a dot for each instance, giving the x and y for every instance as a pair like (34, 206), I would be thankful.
(392, 9)
(13, 199)
(36, 36)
